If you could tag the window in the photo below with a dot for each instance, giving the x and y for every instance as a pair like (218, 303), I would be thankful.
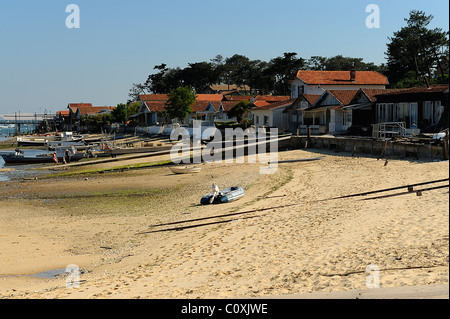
(381, 112)
(266, 120)
(389, 113)
(293, 91)
(428, 112)
(348, 117)
(413, 110)
(438, 110)
(294, 118)
(396, 113)
(402, 112)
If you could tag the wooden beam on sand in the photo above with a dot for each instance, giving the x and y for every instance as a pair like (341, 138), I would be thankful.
(194, 226)
(409, 187)
(417, 192)
(299, 160)
(218, 216)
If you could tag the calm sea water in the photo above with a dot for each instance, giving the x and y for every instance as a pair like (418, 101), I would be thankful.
(10, 171)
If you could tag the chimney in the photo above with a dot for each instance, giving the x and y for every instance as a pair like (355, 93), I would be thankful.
(353, 72)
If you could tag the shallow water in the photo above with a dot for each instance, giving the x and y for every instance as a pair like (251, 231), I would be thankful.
(13, 171)
(50, 274)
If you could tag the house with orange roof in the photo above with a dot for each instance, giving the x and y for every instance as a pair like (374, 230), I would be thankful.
(316, 82)
(362, 108)
(271, 114)
(78, 110)
(207, 107)
(294, 112)
(150, 105)
(327, 115)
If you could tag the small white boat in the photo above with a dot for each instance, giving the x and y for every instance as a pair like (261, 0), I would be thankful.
(185, 169)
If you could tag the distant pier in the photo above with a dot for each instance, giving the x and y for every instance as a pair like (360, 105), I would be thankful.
(19, 119)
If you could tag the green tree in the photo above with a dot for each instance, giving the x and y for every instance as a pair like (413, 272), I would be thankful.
(239, 110)
(180, 102)
(119, 114)
(282, 68)
(416, 48)
(200, 76)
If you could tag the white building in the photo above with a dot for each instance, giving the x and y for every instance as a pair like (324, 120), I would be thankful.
(317, 82)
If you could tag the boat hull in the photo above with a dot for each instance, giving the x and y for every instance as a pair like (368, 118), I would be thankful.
(14, 159)
(225, 196)
(185, 170)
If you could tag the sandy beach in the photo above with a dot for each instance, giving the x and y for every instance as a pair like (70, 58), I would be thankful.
(283, 238)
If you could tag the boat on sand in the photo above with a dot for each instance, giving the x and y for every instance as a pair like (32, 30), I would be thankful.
(185, 169)
(226, 195)
(19, 158)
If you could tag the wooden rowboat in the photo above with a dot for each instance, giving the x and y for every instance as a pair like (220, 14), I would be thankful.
(185, 169)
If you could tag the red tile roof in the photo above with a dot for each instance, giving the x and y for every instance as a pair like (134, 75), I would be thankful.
(418, 90)
(209, 97)
(372, 93)
(238, 98)
(158, 101)
(92, 110)
(227, 105)
(344, 96)
(155, 106)
(74, 106)
(275, 105)
(261, 103)
(153, 97)
(312, 98)
(200, 106)
(272, 98)
(342, 77)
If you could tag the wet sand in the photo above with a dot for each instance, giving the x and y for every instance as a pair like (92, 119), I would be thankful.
(286, 241)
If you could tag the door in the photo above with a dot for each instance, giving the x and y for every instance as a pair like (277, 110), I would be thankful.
(413, 118)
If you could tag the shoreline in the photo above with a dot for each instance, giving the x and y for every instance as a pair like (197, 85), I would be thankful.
(93, 221)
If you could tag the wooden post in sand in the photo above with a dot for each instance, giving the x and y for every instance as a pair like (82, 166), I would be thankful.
(446, 139)
(383, 150)
(308, 139)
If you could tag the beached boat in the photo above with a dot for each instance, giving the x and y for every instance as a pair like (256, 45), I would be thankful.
(224, 196)
(185, 169)
(13, 158)
(31, 141)
(52, 145)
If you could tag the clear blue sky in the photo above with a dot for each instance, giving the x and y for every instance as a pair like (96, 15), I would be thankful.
(44, 65)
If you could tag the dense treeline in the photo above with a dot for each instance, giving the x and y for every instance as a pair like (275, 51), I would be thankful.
(259, 76)
(415, 54)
